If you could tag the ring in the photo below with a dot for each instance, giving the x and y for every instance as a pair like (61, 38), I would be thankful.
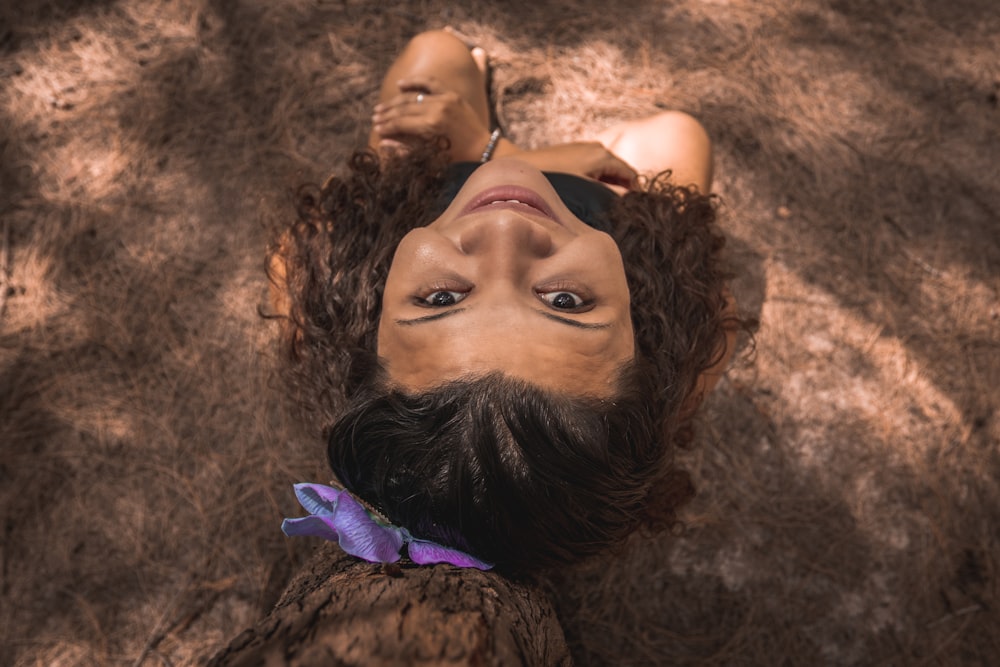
(420, 98)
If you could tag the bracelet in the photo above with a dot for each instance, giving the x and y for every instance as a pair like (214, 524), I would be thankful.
(488, 153)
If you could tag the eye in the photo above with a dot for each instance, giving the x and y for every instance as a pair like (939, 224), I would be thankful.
(562, 300)
(441, 298)
(441, 292)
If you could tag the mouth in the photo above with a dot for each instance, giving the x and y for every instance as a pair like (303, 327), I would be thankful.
(511, 197)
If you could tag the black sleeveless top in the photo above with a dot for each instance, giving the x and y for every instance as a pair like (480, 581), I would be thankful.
(586, 199)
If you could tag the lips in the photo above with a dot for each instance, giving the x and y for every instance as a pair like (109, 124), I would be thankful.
(511, 197)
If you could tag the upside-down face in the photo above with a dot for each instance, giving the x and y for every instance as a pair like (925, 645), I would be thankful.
(507, 279)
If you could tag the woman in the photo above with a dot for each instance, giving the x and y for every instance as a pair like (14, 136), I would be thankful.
(507, 344)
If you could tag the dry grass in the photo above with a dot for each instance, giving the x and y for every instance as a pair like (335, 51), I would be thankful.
(849, 479)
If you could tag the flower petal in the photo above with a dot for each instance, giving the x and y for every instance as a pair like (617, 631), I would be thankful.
(317, 498)
(361, 536)
(425, 553)
(311, 526)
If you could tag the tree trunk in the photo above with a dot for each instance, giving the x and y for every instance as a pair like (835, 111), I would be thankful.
(342, 611)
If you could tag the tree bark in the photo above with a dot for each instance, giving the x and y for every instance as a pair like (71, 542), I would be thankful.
(343, 611)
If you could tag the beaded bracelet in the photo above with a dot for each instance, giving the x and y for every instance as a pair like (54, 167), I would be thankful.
(488, 153)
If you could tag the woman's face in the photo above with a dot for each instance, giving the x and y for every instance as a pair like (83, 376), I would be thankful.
(507, 279)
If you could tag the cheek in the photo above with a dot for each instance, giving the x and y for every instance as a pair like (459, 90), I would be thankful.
(381, 341)
(393, 296)
(390, 306)
(420, 251)
(615, 279)
(405, 260)
(608, 257)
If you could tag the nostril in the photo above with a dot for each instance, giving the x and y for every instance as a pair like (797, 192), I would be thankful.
(505, 232)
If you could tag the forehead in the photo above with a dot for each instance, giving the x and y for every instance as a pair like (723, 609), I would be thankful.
(569, 372)
(519, 342)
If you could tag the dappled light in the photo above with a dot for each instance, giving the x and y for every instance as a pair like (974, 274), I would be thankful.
(847, 468)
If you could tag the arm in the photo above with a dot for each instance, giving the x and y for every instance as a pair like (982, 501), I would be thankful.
(589, 159)
(424, 109)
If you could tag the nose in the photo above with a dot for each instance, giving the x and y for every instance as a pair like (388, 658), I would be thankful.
(505, 234)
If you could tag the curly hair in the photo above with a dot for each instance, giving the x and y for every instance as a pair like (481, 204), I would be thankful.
(513, 474)
(496, 467)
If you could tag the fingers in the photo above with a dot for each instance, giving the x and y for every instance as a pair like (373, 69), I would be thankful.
(414, 110)
(609, 168)
(618, 172)
(413, 89)
(403, 125)
(423, 114)
(404, 101)
(405, 113)
(423, 109)
(621, 171)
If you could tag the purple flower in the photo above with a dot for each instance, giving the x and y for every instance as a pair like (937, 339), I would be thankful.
(337, 516)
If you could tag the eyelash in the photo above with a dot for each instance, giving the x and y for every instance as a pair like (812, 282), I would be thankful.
(585, 297)
(460, 292)
(576, 308)
(457, 296)
(447, 287)
(582, 307)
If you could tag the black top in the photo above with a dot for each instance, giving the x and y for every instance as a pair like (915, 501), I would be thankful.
(586, 199)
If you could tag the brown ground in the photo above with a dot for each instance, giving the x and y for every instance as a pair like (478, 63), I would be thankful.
(849, 499)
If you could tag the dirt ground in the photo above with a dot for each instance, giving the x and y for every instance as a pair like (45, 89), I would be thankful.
(848, 503)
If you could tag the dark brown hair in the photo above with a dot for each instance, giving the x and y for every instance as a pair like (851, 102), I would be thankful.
(492, 465)
(514, 474)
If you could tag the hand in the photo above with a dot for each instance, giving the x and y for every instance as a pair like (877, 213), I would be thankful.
(423, 110)
(583, 158)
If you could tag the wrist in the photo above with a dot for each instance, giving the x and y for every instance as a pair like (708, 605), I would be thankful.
(490, 146)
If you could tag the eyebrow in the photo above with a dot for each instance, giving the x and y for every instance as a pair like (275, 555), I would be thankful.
(429, 318)
(551, 316)
(574, 323)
